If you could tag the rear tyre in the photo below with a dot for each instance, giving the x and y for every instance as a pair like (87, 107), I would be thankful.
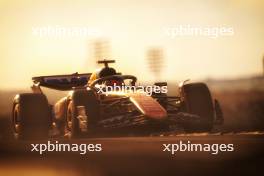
(31, 117)
(198, 101)
(89, 101)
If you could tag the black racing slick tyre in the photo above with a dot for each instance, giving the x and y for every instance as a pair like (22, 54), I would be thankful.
(31, 116)
(86, 99)
(197, 100)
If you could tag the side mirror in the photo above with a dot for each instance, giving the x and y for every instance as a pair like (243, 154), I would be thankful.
(160, 84)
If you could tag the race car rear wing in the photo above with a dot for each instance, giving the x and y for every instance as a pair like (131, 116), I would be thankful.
(62, 82)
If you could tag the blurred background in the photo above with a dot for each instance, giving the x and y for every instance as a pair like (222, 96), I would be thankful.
(129, 30)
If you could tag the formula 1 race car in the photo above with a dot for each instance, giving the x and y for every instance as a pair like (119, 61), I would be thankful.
(89, 109)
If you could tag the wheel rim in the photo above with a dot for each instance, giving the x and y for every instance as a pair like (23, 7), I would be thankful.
(16, 120)
(69, 120)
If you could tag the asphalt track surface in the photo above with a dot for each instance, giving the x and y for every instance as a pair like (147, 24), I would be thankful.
(138, 156)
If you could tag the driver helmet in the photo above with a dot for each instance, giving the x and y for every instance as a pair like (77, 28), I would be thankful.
(103, 72)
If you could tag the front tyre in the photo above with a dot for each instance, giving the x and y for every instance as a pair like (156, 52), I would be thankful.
(197, 100)
(87, 100)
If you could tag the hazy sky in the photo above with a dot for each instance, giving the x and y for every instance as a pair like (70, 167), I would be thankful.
(131, 27)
